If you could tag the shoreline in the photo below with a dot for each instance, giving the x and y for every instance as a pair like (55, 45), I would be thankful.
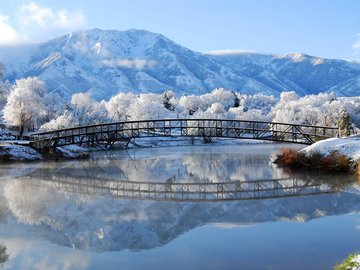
(20, 151)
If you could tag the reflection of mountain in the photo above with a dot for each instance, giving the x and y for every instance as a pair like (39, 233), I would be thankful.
(99, 223)
(102, 224)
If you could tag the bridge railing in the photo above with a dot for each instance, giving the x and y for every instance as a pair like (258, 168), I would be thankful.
(274, 131)
(178, 191)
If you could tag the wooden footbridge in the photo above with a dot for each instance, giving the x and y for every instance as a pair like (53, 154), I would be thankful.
(179, 191)
(109, 133)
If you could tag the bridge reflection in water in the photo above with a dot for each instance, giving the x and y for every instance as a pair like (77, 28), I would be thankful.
(171, 191)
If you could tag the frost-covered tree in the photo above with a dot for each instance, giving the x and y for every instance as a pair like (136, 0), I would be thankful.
(218, 95)
(215, 111)
(4, 90)
(86, 111)
(26, 104)
(168, 97)
(82, 110)
(344, 124)
(318, 109)
(190, 103)
(259, 102)
(148, 106)
(250, 115)
(118, 106)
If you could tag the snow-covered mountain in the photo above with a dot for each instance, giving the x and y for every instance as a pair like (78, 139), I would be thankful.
(106, 62)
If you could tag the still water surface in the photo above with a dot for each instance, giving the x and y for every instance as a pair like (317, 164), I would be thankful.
(51, 227)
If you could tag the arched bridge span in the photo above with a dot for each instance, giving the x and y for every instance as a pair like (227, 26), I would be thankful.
(110, 133)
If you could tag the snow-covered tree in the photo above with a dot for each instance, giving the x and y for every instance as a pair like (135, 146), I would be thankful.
(148, 106)
(219, 95)
(86, 111)
(250, 115)
(82, 110)
(215, 111)
(344, 123)
(168, 98)
(4, 90)
(259, 102)
(118, 106)
(26, 105)
(190, 103)
(309, 110)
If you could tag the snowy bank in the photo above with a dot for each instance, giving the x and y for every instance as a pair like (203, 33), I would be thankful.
(18, 153)
(352, 262)
(348, 146)
(5, 135)
(356, 260)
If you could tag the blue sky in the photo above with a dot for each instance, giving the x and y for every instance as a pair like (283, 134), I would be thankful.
(325, 28)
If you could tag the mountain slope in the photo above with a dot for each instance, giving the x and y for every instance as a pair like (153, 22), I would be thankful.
(105, 62)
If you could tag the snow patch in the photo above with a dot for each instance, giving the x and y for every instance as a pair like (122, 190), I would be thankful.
(295, 57)
(129, 63)
(48, 61)
(5, 135)
(96, 48)
(18, 152)
(228, 52)
(349, 147)
(317, 61)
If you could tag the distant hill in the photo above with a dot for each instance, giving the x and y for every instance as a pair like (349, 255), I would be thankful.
(106, 62)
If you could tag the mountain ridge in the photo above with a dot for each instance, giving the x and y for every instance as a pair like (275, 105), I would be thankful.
(104, 62)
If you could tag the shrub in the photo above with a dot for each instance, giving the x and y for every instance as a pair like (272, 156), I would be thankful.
(315, 160)
(348, 264)
(336, 162)
(287, 157)
(358, 172)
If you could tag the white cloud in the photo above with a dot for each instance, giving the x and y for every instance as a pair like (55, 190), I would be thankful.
(33, 22)
(129, 63)
(34, 15)
(8, 34)
(356, 44)
(228, 52)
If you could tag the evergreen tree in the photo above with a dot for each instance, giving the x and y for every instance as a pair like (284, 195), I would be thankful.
(344, 123)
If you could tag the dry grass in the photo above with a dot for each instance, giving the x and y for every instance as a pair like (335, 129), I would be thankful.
(333, 162)
(357, 172)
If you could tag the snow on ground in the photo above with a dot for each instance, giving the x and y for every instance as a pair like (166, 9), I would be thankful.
(349, 146)
(18, 152)
(357, 260)
(5, 135)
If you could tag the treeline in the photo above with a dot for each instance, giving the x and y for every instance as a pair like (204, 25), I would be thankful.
(28, 104)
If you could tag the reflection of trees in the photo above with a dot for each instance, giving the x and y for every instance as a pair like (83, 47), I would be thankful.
(104, 223)
(336, 181)
(198, 164)
(4, 256)
(27, 203)
(3, 209)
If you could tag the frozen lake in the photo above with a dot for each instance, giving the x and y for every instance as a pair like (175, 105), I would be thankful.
(55, 226)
